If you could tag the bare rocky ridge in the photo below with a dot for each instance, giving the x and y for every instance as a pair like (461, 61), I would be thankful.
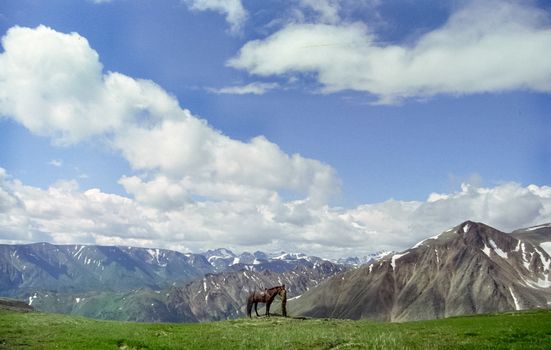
(472, 268)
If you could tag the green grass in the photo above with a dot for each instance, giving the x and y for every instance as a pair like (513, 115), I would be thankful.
(523, 330)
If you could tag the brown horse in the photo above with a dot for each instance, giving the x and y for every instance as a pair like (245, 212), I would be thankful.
(267, 296)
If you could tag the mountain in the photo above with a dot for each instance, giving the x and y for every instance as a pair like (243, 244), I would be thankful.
(27, 268)
(469, 269)
(223, 296)
(221, 258)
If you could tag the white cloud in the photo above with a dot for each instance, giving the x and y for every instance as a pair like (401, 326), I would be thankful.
(52, 83)
(233, 10)
(486, 46)
(65, 214)
(255, 88)
(397, 224)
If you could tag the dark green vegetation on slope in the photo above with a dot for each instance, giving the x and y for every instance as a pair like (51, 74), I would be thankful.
(520, 330)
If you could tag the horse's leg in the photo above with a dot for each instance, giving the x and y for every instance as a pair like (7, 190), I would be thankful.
(249, 307)
(268, 308)
(255, 310)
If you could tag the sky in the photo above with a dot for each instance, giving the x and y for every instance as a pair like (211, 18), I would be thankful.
(330, 127)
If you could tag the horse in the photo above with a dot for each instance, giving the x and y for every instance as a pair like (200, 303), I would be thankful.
(267, 296)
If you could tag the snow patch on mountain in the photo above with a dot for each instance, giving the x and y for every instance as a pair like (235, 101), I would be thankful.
(486, 250)
(435, 237)
(538, 227)
(540, 283)
(396, 257)
(546, 246)
(155, 255)
(496, 249)
(33, 298)
(517, 305)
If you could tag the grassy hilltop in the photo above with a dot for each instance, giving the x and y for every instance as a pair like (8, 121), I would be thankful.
(520, 330)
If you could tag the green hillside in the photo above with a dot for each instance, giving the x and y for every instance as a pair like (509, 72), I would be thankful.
(32, 330)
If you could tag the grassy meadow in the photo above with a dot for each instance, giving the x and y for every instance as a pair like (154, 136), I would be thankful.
(34, 330)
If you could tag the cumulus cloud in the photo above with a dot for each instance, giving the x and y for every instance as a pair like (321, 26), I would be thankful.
(485, 46)
(255, 88)
(233, 10)
(53, 84)
(65, 214)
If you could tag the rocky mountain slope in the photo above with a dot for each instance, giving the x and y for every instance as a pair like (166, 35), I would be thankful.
(537, 235)
(224, 295)
(469, 269)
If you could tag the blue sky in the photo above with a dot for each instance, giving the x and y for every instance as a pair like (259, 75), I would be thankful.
(334, 127)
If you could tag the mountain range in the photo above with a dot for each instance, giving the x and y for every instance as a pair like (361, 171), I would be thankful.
(142, 284)
(80, 268)
(469, 269)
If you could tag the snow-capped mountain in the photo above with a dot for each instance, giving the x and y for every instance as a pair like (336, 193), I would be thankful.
(366, 259)
(223, 259)
(471, 268)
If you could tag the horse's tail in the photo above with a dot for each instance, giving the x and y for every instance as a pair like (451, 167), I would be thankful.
(250, 305)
